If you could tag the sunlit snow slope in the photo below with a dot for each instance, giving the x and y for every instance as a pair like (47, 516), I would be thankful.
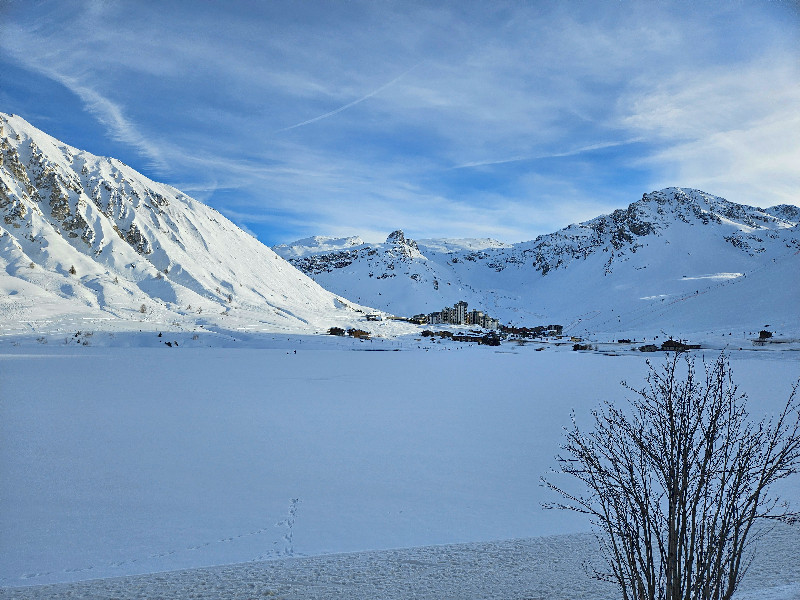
(88, 239)
(678, 260)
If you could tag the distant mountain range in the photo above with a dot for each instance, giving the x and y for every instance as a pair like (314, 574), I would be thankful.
(90, 239)
(88, 242)
(678, 260)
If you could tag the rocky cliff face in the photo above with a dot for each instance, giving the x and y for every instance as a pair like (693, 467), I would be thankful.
(95, 233)
(397, 249)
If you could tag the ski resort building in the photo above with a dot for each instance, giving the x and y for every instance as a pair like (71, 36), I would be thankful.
(459, 315)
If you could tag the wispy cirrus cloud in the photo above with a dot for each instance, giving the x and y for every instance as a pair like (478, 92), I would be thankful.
(734, 134)
(26, 47)
(112, 116)
(525, 117)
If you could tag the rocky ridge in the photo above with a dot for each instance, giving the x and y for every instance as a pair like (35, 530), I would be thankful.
(651, 248)
(90, 235)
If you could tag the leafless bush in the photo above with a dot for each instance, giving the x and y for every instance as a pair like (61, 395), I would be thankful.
(677, 480)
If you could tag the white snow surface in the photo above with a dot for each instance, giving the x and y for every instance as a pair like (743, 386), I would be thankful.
(90, 238)
(171, 406)
(678, 261)
(457, 244)
(317, 243)
(125, 461)
(549, 568)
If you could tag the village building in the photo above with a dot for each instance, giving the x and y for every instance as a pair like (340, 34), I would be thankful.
(459, 315)
(460, 312)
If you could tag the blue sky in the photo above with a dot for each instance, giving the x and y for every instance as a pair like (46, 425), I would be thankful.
(460, 119)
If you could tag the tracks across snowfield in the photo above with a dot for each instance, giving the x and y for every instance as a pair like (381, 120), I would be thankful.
(545, 568)
(127, 461)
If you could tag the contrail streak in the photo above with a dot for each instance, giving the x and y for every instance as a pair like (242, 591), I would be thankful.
(353, 103)
(574, 152)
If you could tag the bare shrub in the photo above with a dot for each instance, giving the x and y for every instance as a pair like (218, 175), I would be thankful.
(677, 480)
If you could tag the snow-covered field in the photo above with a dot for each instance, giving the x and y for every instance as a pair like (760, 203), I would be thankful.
(122, 461)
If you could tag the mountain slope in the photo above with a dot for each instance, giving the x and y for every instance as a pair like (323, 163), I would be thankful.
(91, 237)
(678, 259)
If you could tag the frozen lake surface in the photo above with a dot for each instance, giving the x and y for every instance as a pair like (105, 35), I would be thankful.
(125, 461)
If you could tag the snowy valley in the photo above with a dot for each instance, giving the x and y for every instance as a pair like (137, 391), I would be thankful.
(677, 262)
(170, 397)
(87, 244)
(125, 461)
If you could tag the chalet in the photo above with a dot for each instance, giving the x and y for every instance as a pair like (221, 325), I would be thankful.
(677, 346)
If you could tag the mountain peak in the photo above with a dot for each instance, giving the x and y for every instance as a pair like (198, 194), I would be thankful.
(396, 237)
(407, 247)
(316, 244)
(694, 206)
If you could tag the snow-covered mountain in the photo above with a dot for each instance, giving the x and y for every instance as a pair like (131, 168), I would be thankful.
(90, 238)
(678, 260)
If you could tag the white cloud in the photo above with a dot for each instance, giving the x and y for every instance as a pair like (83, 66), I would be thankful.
(733, 132)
